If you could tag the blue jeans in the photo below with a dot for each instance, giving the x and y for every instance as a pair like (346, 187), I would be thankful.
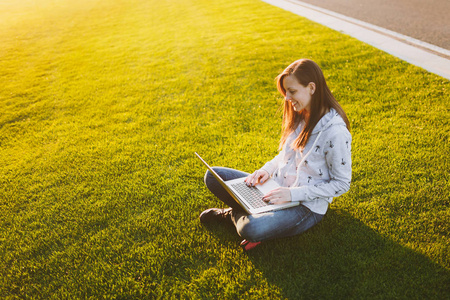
(264, 226)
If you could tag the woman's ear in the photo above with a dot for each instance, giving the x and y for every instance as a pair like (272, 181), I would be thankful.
(312, 87)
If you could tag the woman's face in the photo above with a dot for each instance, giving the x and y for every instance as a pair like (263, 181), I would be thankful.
(298, 95)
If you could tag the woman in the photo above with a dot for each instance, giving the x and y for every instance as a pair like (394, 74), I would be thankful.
(313, 166)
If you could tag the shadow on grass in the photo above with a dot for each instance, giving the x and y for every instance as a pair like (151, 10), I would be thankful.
(342, 258)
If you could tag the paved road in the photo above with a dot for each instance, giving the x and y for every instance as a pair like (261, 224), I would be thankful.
(425, 20)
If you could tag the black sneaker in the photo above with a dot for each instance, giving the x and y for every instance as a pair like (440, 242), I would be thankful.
(216, 215)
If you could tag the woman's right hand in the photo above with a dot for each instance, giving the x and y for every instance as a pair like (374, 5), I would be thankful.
(258, 177)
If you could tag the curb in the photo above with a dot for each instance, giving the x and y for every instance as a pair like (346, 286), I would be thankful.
(427, 56)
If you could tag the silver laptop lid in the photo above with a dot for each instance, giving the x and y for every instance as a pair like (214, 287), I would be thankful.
(225, 186)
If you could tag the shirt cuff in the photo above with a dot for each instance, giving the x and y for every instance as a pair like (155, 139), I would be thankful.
(299, 194)
(269, 168)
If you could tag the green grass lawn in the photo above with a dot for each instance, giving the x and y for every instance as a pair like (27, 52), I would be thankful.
(103, 104)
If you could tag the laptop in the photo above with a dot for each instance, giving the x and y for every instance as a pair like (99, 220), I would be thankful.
(250, 198)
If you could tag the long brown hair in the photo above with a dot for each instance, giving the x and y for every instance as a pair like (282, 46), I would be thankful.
(306, 71)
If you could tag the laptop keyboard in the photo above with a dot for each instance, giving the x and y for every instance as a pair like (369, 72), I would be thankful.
(251, 194)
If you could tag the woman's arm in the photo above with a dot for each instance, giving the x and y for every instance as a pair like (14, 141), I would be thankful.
(272, 165)
(260, 176)
(339, 162)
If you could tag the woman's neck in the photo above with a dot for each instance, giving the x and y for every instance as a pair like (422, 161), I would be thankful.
(305, 115)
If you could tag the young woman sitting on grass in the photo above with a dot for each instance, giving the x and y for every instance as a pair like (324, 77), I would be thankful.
(313, 166)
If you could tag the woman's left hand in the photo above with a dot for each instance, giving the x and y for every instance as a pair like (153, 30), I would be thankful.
(278, 196)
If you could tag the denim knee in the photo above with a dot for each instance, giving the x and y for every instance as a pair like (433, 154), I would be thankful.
(249, 230)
